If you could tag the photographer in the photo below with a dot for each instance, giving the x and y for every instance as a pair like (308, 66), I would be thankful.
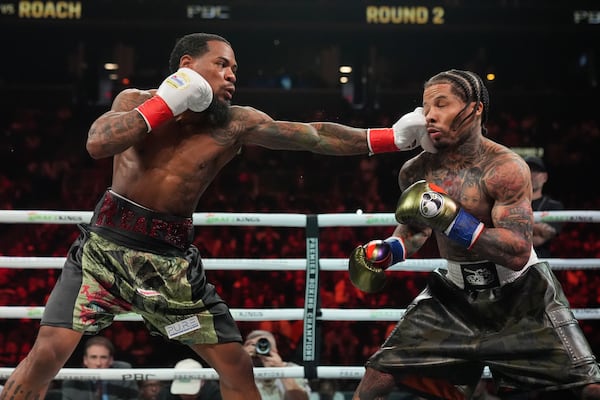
(262, 347)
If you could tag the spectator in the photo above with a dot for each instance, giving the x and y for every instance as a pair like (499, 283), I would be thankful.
(543, 232)
(191, 389)
(262, 347)
(150, 389)
(99, 353)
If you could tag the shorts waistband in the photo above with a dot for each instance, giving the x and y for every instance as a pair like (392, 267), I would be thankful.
(118, 213)
(480, 275)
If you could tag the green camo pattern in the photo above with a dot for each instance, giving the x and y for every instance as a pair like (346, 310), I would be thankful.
(119, 280)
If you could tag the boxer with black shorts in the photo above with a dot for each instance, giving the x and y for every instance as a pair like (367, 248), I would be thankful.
(136, 255)
(496, 304)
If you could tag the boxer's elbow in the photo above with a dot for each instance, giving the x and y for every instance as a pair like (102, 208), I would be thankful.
(519, 263)
(103, 142)
(95, 147)
(521, 256)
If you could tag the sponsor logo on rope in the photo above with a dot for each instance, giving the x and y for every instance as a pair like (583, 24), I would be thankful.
(268, 374)
(247, 314)
(220, 219)
(379, 220)
(35, 217)
(349, 373)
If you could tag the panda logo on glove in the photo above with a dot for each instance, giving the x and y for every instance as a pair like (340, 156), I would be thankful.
(431, 204)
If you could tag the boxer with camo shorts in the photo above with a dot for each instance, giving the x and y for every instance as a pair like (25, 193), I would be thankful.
(137, 253)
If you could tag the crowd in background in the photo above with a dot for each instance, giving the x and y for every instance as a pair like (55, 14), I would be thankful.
(44, 166)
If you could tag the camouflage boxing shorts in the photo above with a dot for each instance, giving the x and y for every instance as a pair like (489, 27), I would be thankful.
(111, 271)
(523, 331)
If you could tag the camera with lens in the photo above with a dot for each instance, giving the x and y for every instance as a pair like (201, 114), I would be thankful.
(263, 347)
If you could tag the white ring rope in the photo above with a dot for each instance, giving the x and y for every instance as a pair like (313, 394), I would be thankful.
(245, 264)
(279, 314)
(268, 219)
(294, 264)
(216, 219)
(257, 219)
(130, 374)
(167, 374)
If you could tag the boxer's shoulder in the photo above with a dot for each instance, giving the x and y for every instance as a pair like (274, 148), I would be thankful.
(130, 98)
(251, 114)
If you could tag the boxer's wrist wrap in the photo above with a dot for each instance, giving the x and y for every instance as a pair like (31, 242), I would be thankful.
(155, 112)
(397, 249)
(381, 140)
(465, 229)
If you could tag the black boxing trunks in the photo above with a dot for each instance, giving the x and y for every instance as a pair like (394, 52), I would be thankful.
(524, 331)
(114, 268)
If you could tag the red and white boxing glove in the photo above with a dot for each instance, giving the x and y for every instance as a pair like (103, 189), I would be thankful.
(184, 90)
(406, 134)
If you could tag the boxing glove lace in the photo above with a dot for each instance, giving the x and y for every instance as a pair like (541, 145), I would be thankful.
(183, 90)
(430, 204)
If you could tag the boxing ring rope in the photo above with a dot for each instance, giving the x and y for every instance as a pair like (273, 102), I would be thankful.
(279, 314)
(167, 374)
(292, 264)
(312, 264)
(271, 219)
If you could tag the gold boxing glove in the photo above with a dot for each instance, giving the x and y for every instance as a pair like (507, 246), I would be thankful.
(430, 204)
(368, 262)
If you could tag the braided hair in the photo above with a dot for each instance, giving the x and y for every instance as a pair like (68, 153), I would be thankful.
(469, 87)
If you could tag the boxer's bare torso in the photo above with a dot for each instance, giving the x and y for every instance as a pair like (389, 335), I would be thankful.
(171, 169)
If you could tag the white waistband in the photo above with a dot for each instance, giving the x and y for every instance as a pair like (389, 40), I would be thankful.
(505, 275)
(126, 199)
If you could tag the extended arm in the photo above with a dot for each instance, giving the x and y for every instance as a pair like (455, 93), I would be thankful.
(337, 139)
(318, 137)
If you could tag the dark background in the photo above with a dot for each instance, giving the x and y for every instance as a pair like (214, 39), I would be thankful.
(544, 54)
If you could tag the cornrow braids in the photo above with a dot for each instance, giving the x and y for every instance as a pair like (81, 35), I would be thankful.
(469, 87)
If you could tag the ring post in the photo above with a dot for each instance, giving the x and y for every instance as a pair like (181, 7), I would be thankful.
(312, 328)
